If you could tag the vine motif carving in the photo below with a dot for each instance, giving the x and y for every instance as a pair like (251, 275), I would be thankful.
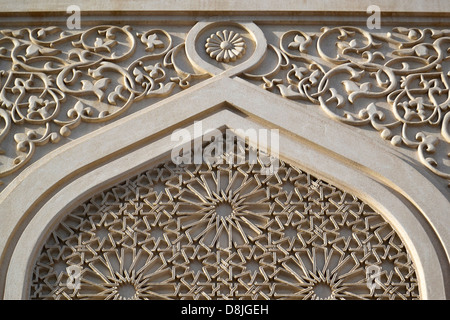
(397, 83)
(53, 80)
(216, 231)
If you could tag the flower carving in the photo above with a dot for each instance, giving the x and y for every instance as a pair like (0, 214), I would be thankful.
(225, 46)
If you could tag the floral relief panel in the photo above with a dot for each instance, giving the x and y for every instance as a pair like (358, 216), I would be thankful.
(56, 83)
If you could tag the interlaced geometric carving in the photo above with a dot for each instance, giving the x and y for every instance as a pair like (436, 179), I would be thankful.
(224, 231)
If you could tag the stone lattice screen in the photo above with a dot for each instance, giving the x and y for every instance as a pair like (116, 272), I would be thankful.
(224, 231)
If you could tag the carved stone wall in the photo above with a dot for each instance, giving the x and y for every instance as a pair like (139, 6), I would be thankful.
(357, 110)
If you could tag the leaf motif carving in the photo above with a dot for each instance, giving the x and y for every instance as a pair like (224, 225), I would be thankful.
(97, 87)
(404, 71)
(66, 77)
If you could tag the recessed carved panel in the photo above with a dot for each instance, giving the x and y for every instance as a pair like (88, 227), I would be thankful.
(223, 231)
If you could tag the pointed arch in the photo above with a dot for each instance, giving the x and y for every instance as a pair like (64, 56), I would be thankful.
(403, 195)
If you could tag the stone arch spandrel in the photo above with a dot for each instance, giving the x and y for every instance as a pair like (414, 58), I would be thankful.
(304, 122)
(315, 128)
(409, 197)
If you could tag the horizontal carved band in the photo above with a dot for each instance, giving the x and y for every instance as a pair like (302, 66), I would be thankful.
(52, 80)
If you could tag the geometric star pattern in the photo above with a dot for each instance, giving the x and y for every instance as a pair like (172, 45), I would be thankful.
(224, 231)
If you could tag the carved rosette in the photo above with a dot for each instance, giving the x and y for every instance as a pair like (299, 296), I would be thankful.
(224, 232)
(225, 46)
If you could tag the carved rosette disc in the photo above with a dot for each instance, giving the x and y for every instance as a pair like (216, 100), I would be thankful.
(225, 46)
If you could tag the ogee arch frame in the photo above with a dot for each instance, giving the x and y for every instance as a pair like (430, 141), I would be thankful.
(379, 182)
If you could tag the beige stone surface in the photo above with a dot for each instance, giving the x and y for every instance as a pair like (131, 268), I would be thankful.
(365, 110)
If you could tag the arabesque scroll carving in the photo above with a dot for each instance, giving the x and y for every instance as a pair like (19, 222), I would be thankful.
(396, 83)
(53, 80)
